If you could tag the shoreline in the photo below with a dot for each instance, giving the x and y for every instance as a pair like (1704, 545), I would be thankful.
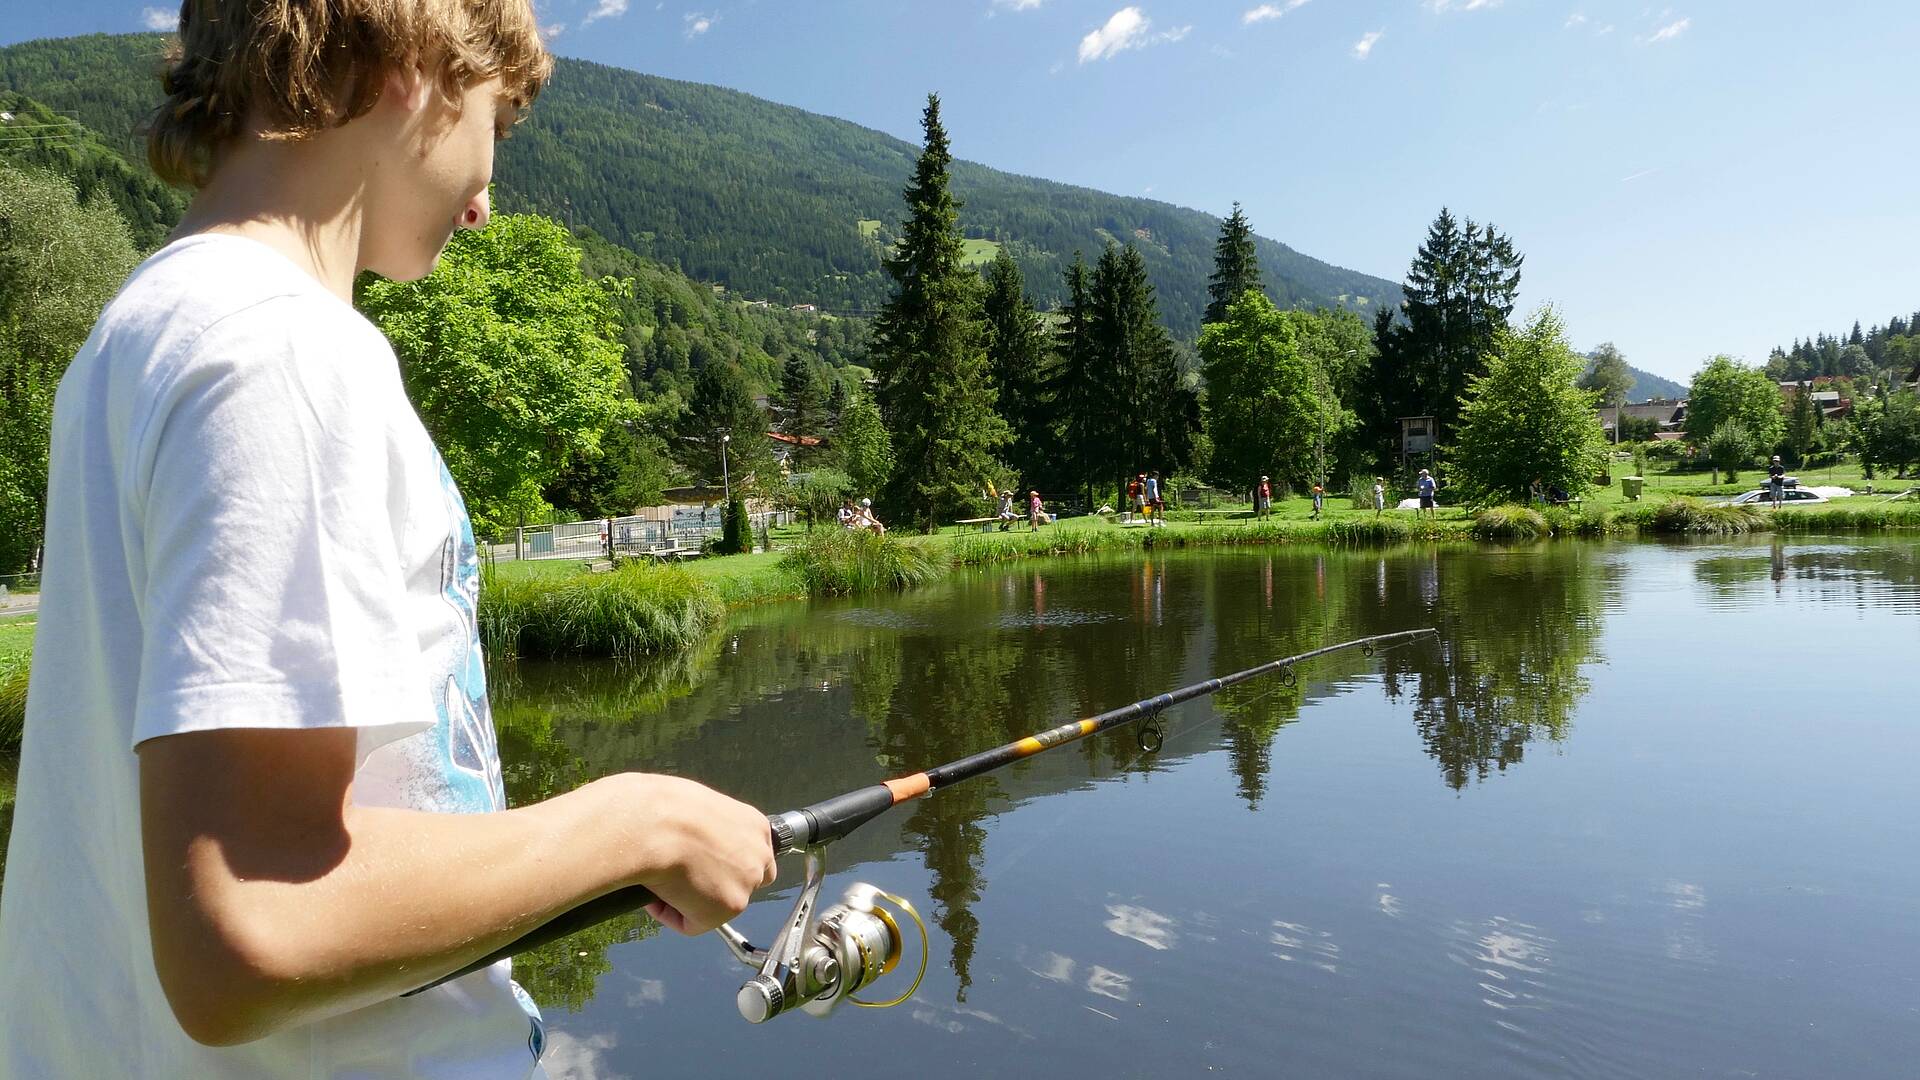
(641, 609)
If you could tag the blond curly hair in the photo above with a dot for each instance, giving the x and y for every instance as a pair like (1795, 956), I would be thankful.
(300, 67)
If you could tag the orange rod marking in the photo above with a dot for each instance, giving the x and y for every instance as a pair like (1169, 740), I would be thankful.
(908, 787)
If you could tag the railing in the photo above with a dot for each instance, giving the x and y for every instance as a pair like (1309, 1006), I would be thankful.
(630, 535)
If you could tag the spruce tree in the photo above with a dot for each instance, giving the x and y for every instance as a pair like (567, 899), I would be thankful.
(1080, 402)
(1460, 293)
(1236, 268)
(801, 396)
(934, 387)
(1021, 363)
(1151, 415)
(723, 406)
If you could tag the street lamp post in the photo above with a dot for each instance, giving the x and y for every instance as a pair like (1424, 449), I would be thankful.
(726, 488)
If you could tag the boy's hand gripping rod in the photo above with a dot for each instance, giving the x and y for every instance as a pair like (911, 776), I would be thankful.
(815, 963)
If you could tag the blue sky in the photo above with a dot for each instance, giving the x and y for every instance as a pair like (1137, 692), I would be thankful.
(1711, 176)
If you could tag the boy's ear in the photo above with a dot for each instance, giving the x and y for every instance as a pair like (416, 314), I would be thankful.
(407, 87)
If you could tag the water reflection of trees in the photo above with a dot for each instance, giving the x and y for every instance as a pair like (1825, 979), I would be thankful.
(792, 704)
(1515, 630)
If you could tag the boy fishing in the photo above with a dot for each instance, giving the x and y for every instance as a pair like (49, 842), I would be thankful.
(259, 797)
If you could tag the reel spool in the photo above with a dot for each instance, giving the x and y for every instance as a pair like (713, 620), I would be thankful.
(814, 964)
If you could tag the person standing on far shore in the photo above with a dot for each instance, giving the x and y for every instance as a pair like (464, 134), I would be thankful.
(1379, 497)
(1777, 481)
(1263, 498)
(1427, 488)
(1319, 498)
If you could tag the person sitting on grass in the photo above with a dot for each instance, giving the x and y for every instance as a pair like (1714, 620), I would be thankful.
(867, 519)
(849, 514)
(260, 798)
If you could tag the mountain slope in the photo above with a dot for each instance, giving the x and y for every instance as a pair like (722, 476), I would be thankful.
(772, 201)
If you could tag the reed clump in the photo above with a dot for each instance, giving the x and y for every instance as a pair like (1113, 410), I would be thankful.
(1688, 515)
(636, 609)
(1512, 521)
(842, 562)
(13, 700)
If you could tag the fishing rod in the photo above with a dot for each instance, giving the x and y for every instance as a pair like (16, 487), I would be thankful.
(816, 963)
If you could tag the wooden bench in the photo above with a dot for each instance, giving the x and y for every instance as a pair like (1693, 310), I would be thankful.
(1224, 517)
(985, 524)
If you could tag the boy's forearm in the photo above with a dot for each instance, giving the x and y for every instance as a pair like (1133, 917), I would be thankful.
(409, 897)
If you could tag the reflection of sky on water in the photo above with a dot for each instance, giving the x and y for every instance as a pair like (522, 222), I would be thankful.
(1149, 928)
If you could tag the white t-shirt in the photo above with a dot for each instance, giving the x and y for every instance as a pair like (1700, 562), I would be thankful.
(247, 526)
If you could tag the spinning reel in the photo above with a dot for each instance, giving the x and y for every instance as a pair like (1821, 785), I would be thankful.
(816, 963)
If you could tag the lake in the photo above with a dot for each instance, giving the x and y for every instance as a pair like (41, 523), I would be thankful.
(1639, 810)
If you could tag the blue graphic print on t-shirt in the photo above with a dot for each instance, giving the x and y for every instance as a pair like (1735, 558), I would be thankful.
(464, 721)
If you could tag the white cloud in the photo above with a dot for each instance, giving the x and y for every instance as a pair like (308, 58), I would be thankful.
(607, 9)
(1129, 28)
(1441, 7)
(1668, 32)
(569, 1057)
(551, 31)
(160, 18)
(1268, 11)
(1575, 21)
(698, 24)
(1364, 47)
(1636, 176)
(1017, 5)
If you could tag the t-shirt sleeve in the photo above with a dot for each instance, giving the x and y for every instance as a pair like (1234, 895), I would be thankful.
(265, 504)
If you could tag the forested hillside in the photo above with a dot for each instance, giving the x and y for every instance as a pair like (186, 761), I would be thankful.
(33, 135)
(768, 200)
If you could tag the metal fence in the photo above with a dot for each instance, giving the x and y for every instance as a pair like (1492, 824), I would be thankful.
(685, 533)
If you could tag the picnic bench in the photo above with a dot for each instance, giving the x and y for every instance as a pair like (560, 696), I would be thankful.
(1223, 517)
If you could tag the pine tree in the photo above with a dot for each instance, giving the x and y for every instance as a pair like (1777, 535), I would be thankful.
(1236, 268)
(935, 390)
(1021, 363)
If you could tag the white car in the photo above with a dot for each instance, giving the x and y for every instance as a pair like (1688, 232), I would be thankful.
(1792, 496)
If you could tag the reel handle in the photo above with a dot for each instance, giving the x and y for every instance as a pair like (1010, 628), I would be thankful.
(592, 913)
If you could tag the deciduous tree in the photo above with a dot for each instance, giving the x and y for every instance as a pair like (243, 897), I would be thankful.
(1525, 420)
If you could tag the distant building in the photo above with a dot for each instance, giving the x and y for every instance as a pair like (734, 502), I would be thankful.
(805, 309)
(1666, 415)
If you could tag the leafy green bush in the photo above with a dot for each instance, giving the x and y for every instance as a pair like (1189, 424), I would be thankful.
(842, 562)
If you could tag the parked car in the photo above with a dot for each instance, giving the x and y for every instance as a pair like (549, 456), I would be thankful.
(1792, 496)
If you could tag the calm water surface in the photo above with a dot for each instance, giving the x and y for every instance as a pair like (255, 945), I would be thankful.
(1641, 811)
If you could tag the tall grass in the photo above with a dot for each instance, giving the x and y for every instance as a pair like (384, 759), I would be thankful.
(13, 700)
(1686, 515)
(633, 610)
(1510, 521)
(1854, 515)
(840, 562)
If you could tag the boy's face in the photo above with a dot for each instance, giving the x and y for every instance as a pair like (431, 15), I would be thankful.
(440, 182)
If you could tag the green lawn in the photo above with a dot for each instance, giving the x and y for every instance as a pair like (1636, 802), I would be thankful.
(869, 227)
(16, 634)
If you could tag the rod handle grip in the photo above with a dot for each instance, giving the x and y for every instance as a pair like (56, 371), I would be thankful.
(592, 913)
